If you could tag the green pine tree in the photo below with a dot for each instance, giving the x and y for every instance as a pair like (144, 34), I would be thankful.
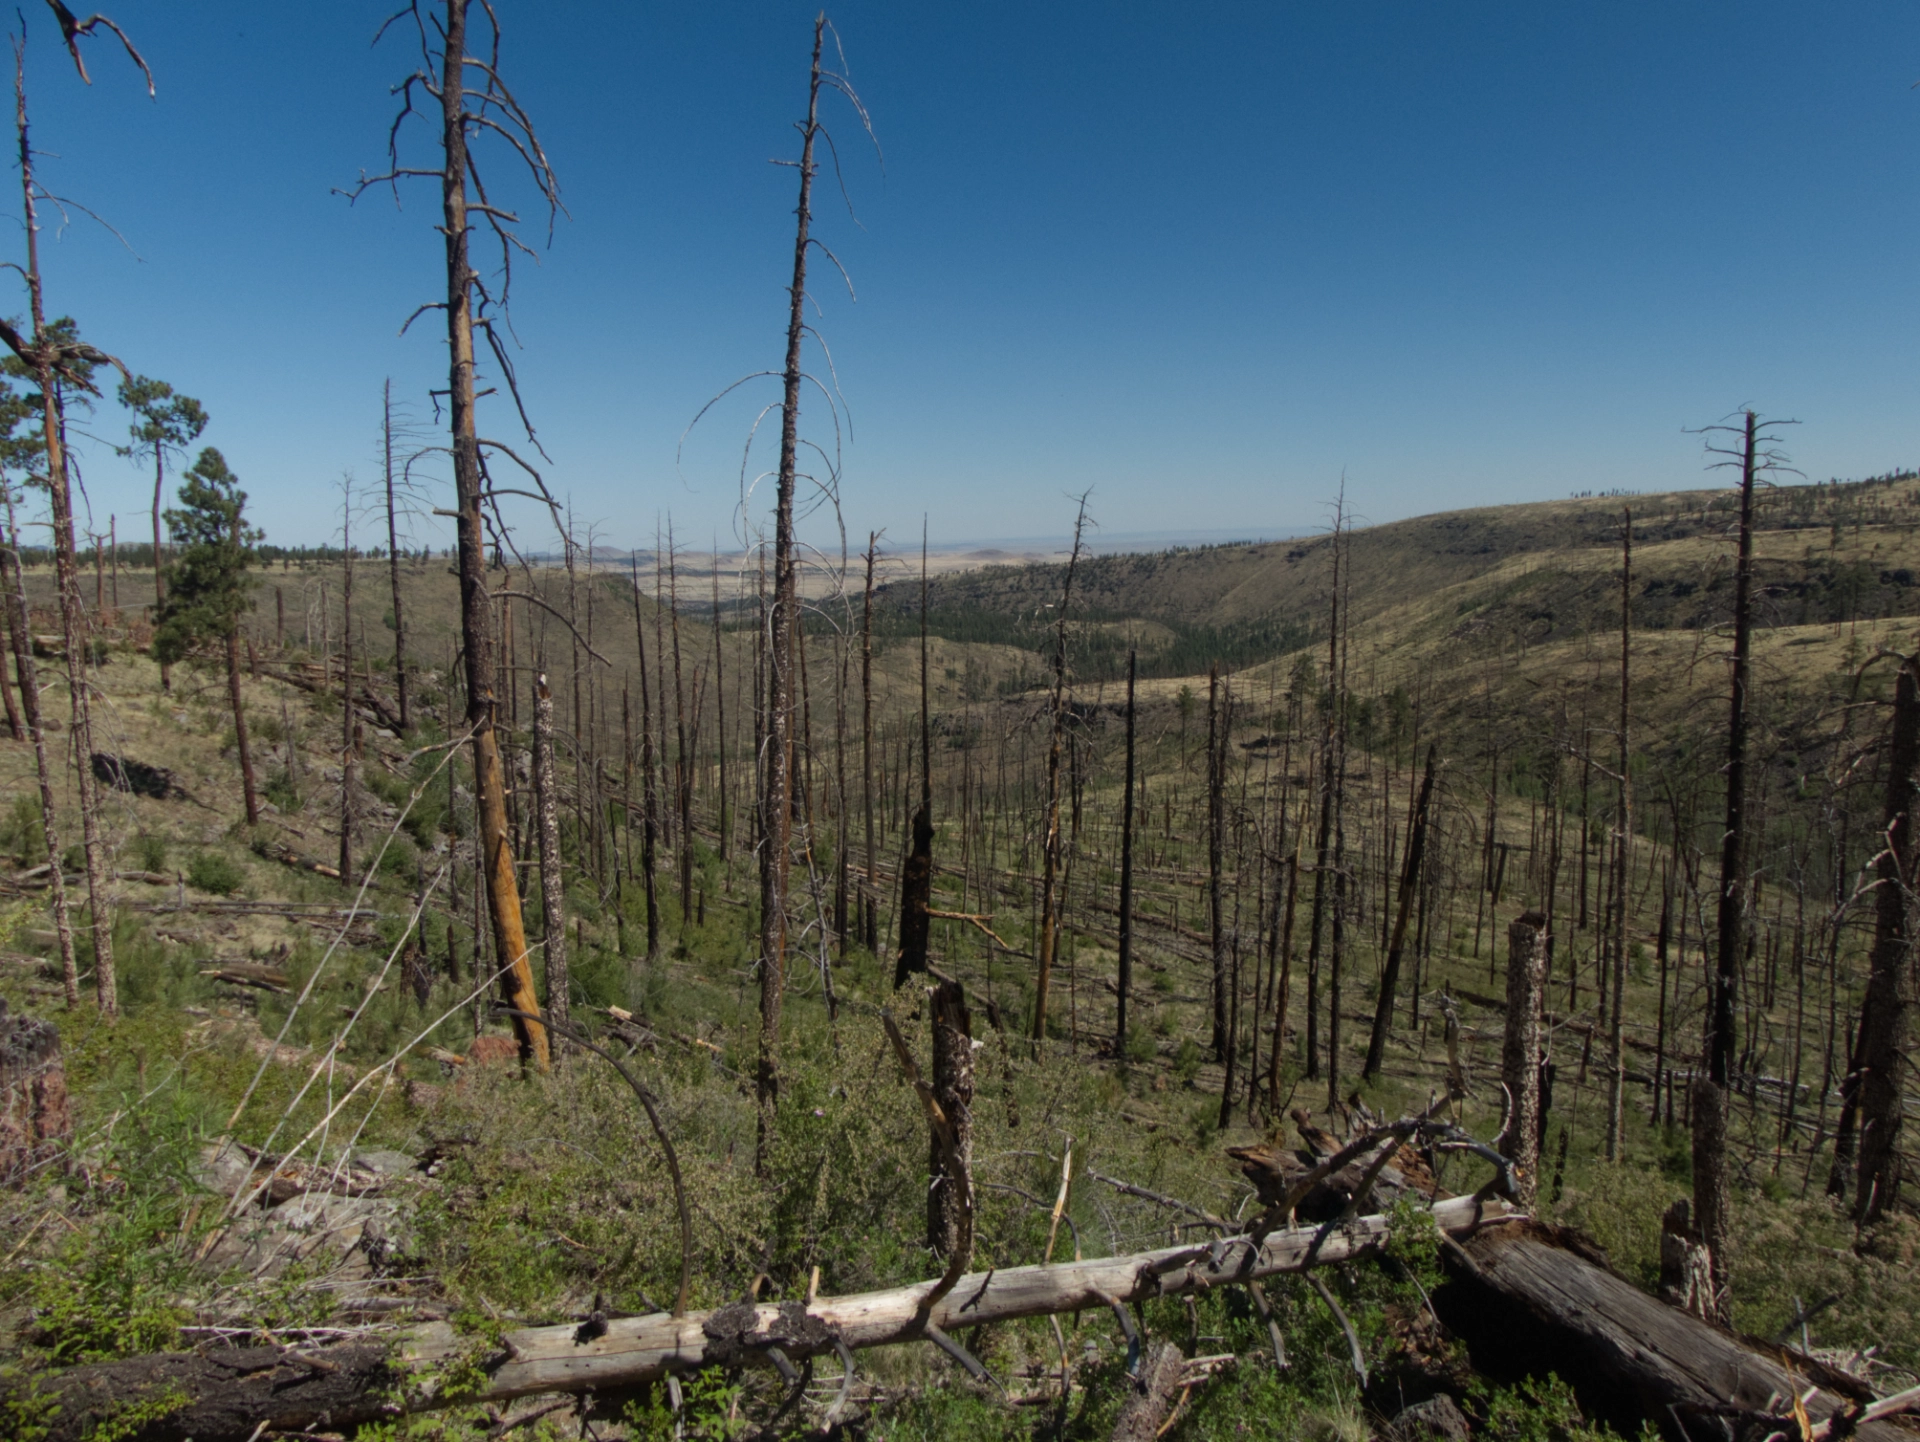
(207, 587)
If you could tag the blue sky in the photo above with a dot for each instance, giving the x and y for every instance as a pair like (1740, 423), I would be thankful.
(1200, 258)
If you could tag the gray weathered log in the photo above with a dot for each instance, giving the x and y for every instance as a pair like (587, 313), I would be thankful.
(227, 1394)
(1532, 1299)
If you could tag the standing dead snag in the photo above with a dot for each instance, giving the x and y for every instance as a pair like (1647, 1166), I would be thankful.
(57, 359)
(466, 112)
(916, 877)
(948, 1189)
(1883, 1015)
(553, 887)
(1409, 887)
(1712, 1204)
(1050, 832)
(1623, 856)
(1520, 1054)
(1125, 978)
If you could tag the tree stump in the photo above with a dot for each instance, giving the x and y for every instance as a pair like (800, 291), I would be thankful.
(35, 1117)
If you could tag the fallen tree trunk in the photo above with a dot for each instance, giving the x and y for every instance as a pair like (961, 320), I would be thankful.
(1531, 1299)
(224, 1396)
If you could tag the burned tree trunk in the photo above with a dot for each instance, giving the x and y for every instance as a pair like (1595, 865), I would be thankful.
(1409, 885)
(953, 1089)
(916, 877)
(1050, 826)
(1520, 1054)
(649, 778)
(1531, 1299)
(1216, 849)
(783, 621)
(1883, 1015)
(242, 742)
(1712, 1206)
(1125, 978)
(553, 886)
(393, 556)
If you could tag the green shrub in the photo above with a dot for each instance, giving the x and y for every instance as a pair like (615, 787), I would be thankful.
(150, 851)
(20, 829)
(214, 874)
(281, 791)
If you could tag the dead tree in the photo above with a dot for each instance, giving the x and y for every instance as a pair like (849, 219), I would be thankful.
(349, 721)
(1623, 857)
(1409, 887)
(393, 554)
(650, 777)
(916, 877)
(58, 359)
(948, 1194)
(1520, 1052)
(870, 892)
(26, 673)
(1712, 1205)
(1216, 849)
(1880, 1072)
(466, 112)
(1124, 982)
(1050, 827)
(553, 885)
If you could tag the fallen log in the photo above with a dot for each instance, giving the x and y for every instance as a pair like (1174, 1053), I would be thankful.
(228, 1395)
(1530, 1299)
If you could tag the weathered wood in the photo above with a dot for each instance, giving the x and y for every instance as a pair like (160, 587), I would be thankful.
(1532, 1299)
(227, 1394)
(1520, 1051)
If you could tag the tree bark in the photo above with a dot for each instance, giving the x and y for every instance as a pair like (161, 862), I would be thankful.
(240, 737)
(776, 792)
(1623, 862)
(1712, 1206)
(553, 886)
(953, 1089)
(476, 603)
(1409, 887)
(1125, 980)
(393, 557)
(1529, 1299)
(1050, 827)
(1216, 849)
(1520, 1053)
(1883, 1016)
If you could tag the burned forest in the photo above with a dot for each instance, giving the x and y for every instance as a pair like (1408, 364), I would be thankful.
(485, 971)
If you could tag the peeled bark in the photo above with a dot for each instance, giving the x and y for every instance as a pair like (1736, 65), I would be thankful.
(35, 1118)
(1150, 1395)
(1125, 980)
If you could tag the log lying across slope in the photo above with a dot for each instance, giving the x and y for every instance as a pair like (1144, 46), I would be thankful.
(226, 1395)
(1528, 1301)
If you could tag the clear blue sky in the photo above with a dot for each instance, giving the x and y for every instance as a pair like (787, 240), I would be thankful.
(1200, 257)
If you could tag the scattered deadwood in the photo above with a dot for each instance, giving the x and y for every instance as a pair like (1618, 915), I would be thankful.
(1530, 1299)
(228, 1395)
(248, 973)
(284, 854)
(364, 698)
